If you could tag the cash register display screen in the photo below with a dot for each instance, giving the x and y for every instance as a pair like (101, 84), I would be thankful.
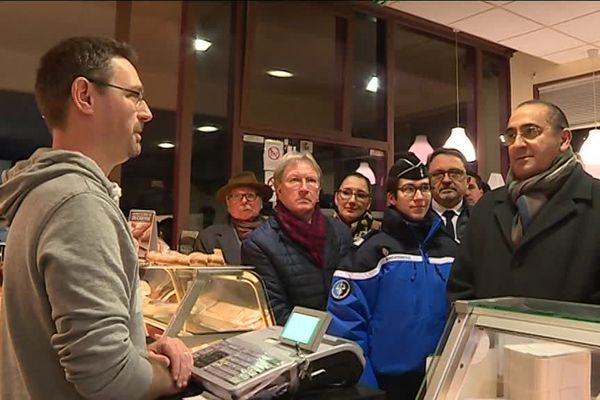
(300, 328)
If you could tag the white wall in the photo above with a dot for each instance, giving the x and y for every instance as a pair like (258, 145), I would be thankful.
(526, 71)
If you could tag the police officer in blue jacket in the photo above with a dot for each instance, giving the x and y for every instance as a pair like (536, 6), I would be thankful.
(390, 296)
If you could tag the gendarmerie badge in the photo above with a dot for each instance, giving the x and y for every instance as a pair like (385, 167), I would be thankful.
(340, 290)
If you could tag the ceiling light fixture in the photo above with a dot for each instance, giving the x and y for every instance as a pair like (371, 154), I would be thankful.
(201, 44)
(279, 73)
(421, 148)
(458, 137)
(166, 145)
(373, 84)
(207, 128)
(590, 149)
(365, 170)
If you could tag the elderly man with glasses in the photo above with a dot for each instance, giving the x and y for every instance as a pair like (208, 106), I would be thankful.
(243, 195)
(391, 296)
(538, 235)
(298, 248)
(448, 171)
(352, 202)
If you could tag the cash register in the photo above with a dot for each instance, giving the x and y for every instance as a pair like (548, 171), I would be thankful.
(279, 360)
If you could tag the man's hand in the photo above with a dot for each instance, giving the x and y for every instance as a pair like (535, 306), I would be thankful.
(175, 355)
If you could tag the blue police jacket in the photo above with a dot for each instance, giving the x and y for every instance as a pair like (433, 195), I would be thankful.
(391, 296)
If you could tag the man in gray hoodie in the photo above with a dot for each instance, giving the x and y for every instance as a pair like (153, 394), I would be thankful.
(71, 324)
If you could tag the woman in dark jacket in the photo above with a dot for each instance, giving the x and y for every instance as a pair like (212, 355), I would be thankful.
(297, 250)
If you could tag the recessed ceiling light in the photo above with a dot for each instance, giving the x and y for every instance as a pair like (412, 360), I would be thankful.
(373, 84)
(207, 128)
(201, 44)
(279, 73)
(166, 145)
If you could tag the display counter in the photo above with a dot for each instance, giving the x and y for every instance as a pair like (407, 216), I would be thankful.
(355, 392)
(517, 349)
(202, 304)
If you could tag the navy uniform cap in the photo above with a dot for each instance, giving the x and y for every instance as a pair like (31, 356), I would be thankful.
(408, 166)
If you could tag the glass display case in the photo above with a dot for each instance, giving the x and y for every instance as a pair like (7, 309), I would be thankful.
(517, 349)
(202, 304)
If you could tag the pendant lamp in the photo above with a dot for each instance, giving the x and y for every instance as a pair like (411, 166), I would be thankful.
(365, 169)
(458, 137)
(421, 148)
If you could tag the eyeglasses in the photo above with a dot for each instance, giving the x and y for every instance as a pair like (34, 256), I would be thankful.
(239, 196)
(454, 174)
(411, 190)
(296, 182)
(527, 132)
(138, 94)
(346, 194)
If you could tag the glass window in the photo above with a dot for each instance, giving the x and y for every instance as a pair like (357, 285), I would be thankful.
(494, 106)
(211, 130)
(22, 129)
(147, 180)
(306, 41)
(368, 78)
(335, 161)
(425, 89)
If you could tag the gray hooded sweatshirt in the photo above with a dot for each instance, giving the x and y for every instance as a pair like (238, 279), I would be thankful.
(71, 325)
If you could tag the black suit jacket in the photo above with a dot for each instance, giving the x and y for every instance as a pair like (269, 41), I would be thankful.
(559, 254)
(224, 237)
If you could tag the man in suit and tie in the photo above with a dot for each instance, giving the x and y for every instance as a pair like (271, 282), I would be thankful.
(448, 172)
(243, 195)
(538, 235)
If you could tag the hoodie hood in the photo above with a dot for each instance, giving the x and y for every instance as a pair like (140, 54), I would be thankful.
(44, 165)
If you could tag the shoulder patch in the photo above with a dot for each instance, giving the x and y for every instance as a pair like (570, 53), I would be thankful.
(385, 251)
(341, 289)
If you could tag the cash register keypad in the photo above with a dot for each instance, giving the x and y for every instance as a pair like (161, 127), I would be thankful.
(232, 363)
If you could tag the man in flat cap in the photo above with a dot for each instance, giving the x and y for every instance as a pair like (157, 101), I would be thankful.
(243, 195)
(391, 297)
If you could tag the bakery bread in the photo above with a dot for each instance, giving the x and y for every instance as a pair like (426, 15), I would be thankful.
(170, 257)
(198, 258)
(216, 258)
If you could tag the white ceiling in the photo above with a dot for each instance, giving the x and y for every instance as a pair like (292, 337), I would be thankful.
(557, 31)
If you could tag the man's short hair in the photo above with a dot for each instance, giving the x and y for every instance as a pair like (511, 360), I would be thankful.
(448, 152)
(89, 57)
(294, 157)
(556, 116)
(477, 179)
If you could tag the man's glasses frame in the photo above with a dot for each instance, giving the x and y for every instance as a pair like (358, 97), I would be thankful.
(454, 174)
(139, 94)
(296, 183)
(527, 132)
(250, 197)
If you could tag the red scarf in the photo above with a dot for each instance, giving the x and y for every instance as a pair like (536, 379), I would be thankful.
(312, 236)
(245, 228)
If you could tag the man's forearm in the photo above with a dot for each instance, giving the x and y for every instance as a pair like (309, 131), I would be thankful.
(162, 382)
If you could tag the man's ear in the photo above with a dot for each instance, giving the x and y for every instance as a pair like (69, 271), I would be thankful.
(81, 95)
(565, 140)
